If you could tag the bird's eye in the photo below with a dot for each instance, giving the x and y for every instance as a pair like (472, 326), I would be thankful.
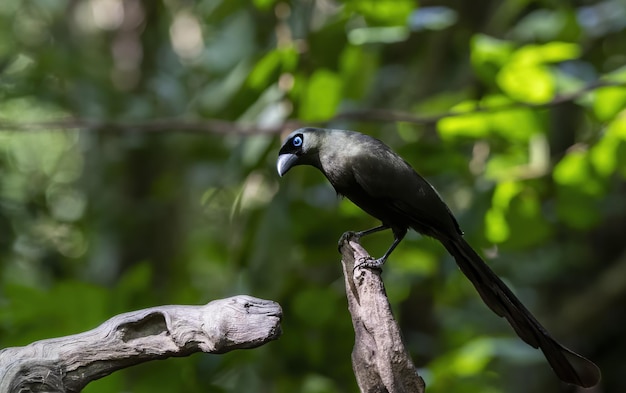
(297, 141)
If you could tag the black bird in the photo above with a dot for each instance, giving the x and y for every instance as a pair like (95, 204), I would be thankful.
(370, 174)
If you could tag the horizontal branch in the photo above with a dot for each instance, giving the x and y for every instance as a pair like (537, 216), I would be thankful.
(383, 115)
(219, 126)
(209, 126)
(67, 364)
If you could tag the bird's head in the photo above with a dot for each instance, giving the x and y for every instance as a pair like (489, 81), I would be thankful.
(301, 147)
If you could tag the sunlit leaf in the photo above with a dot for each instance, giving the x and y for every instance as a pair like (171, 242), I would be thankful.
(473, 357)
(472, 125)
(575, 170)
(526, 76)
(607, 154)
(489, 54)
(496, 227)
(551, 52)
(527, 82)
(608, 102)
(321, 97)
(263, 4)
(516, 124)
(283, 59)
(506, 166)
(504, 193)
(263, 69)
(515, 216)
(618, 75)
(389, 12)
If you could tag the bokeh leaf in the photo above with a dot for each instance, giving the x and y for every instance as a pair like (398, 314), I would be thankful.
(321, 96)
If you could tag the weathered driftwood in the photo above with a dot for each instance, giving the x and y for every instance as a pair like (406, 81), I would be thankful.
(380, 361)
(67, 364)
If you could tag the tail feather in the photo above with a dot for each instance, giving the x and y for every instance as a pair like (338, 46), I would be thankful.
(569, 366)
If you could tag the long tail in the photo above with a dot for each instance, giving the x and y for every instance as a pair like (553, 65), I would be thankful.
(569, 366)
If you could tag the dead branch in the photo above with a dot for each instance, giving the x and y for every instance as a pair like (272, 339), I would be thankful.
(380, 361)
(67, 364)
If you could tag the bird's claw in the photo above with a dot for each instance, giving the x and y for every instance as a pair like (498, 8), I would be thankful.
(370, 263)
(346, 236)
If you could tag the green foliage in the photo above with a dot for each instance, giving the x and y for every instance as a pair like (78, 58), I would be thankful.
(103, 220)
(321, 96)
(386, 12)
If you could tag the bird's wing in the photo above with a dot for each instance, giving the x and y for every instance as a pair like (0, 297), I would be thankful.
(392, 182)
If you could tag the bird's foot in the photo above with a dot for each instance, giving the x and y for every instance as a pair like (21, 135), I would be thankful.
(346, 236)
(369, 262)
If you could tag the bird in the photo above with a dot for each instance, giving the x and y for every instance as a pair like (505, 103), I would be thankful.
(371, 175)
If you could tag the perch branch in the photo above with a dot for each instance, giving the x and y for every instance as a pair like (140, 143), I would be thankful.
(67, 364)
(380, 361)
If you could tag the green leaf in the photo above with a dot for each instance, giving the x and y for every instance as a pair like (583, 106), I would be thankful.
(486, 49)
(473, 357)
(388, 12)
(357, 68)
(608, 102)
(508, 165)
(618, 75)
(504, 193)
(265, 70)
(321, 96)
(530, 83)
(496, 227)
(575, 170)
(264, 4)
(515, 124)
(552, 52)
(471, 125)
(607, 155)
(526, 77)
(515, 216)
(489, 54)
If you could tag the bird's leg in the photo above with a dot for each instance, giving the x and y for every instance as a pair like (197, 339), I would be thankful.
(359, 235)
(377, 263)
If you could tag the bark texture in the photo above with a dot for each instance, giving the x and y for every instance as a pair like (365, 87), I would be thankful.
(380, 360)
(67, 364)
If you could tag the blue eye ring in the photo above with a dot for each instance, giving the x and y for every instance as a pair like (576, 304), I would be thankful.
(297, 141)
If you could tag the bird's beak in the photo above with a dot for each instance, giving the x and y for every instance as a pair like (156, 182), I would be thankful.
(285, 162)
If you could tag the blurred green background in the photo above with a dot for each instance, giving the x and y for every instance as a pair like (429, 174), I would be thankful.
(109, 217)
